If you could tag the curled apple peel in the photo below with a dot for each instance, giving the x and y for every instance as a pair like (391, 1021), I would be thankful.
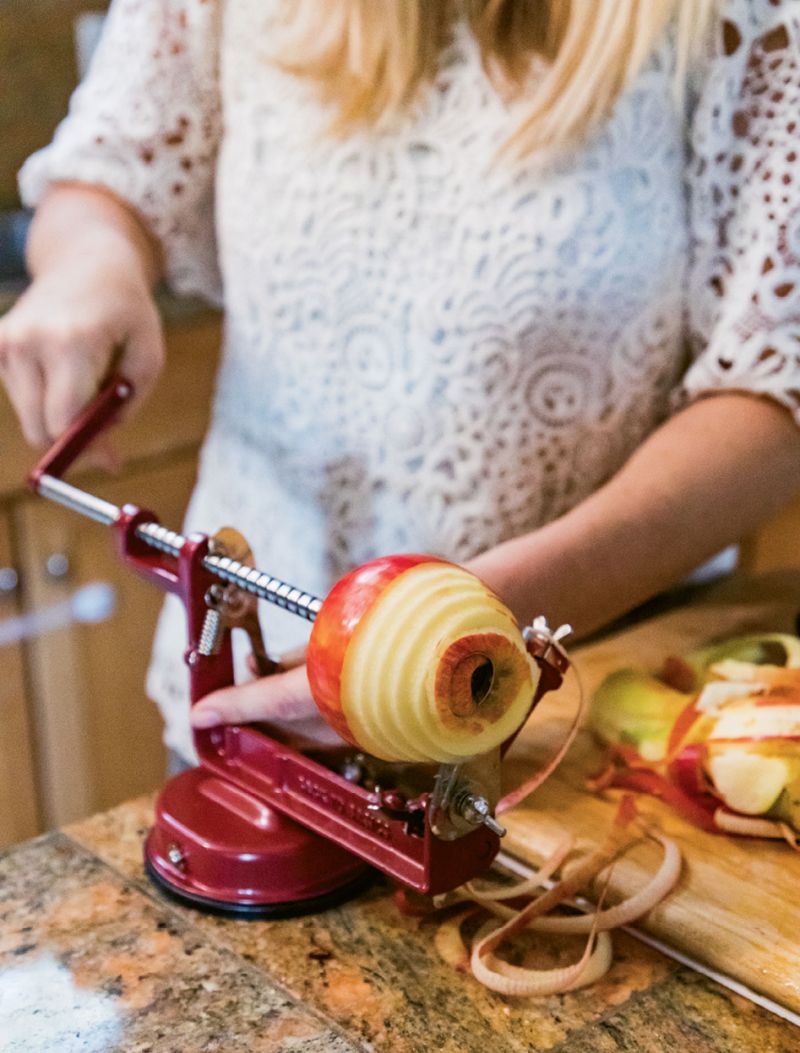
(730, 759)
(413, 658)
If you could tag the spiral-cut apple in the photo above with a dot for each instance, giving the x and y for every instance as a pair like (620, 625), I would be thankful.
(413, 658)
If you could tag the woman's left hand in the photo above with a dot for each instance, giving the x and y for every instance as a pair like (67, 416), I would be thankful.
(279, 698)
(282, 700)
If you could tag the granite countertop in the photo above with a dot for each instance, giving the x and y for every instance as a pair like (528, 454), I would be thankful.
(93, 959)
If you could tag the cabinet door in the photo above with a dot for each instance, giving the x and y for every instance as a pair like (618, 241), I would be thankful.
(18, 798)
(98, 737)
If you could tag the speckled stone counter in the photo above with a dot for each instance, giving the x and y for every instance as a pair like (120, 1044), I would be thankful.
(94, 959)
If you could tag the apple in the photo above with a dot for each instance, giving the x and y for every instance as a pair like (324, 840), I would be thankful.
(787, 807)
(750, 719)
(413, 658)
(634, 708)
(778, 649)
(720, 693)
(753, 755)
(748, 782)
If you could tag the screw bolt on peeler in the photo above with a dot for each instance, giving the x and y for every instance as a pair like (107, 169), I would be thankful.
(475, 809)
(176, 857)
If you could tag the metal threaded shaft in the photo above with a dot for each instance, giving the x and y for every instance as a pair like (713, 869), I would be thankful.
(161, 537)
(250, 579)
(263, 585)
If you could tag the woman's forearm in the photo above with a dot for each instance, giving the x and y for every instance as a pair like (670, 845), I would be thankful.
(706, 478)
(88, 225)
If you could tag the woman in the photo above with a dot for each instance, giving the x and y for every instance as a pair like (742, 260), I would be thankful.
(465, 249)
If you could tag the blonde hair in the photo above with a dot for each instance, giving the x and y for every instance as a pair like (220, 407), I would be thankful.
(370, 57)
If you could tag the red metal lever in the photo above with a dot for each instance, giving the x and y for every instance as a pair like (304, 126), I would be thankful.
(227, 834)
(97, 416)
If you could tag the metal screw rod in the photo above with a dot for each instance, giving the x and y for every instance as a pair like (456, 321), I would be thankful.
(263, 585)
(475, 809)
(250, 579)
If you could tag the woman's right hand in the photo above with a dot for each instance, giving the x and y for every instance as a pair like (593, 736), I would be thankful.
(66, 332)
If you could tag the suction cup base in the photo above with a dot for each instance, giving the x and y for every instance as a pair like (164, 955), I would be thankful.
(260, 911)
(220, 848)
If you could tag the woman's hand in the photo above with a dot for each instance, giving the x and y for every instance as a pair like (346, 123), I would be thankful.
(89, 308)
(282, 700)
(60, 339)
(279, 698)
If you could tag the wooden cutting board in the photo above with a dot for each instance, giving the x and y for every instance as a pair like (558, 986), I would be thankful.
(737, 906)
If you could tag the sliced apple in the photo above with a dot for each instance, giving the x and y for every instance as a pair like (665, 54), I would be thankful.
(760, 676)
(720, 693)
(749, 720)
(748, 782)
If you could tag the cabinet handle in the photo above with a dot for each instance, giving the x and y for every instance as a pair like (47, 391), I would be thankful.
(90, 604)
(9, 582)
(57, 566)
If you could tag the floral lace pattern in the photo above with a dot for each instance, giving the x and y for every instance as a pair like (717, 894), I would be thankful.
(426, 350)
(744, 302)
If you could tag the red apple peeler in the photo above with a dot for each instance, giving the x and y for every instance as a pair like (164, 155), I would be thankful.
(262, 828)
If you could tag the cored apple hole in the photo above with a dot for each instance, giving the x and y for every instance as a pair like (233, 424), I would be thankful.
(481, 681)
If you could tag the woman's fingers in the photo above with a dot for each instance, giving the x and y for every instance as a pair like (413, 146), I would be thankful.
(71, 380)
(24, 382)
(143, 354)
(280, 697)
(60, 339)
(296, 656)
(103, 454)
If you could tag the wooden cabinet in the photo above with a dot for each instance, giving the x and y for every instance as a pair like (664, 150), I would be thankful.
(78, 734)
(19, 813)
(98, 738)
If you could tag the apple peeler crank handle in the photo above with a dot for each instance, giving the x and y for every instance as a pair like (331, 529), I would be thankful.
(250, 579)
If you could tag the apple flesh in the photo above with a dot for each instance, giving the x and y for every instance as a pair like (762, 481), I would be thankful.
(413, 658)
(749, 782)
(751, 719)
(753, 754)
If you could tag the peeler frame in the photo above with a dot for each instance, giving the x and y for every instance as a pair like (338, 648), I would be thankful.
(260, 828)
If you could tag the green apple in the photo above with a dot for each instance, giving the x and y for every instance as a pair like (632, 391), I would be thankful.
(765, 648)
(633, 708)
(787, 806)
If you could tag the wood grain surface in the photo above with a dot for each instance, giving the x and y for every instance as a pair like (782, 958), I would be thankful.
(737, 906)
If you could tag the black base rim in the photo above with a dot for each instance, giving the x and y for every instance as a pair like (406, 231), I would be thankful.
(256, 911)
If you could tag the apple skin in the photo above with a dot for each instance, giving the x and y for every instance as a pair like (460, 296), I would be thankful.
(635, 709)
(344, 607)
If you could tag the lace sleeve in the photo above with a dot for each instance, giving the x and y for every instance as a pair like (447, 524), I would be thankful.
(145, 125)
(744, 183)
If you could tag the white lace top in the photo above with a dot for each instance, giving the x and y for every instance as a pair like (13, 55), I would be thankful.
(425, 351)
